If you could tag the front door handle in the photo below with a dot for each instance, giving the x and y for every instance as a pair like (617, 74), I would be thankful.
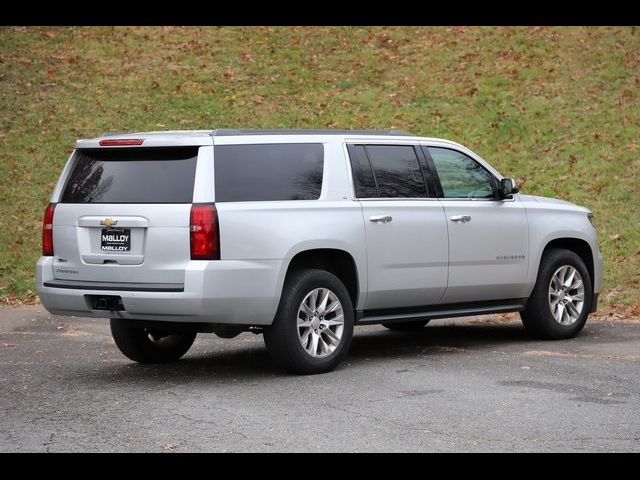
(380, 218)
(461, 218)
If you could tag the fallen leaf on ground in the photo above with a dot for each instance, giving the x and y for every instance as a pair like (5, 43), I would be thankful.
(75, 333)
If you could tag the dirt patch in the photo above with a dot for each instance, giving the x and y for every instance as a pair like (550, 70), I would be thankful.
(72, 332)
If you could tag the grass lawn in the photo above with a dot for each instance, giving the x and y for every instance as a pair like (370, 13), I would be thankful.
(556, 108)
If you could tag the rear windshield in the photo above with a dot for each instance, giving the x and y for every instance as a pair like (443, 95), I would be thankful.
(132, 175)
(281, 171)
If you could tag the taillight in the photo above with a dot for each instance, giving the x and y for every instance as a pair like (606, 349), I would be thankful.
(47, 231)
(205, 234)
(120, 142)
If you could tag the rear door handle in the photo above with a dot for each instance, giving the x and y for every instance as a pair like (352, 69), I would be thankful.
(461, 218)
(380, 218)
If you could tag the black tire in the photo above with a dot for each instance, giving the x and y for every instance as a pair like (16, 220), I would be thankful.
(412, 326)
(144, 345)
(282, 338)
(538, 318)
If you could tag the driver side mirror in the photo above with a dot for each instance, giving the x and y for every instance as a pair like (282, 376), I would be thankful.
(507, 187)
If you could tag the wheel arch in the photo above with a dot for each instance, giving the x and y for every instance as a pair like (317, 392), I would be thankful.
(579, 246)
(339, 262)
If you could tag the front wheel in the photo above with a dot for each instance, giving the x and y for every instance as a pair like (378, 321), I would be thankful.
(147, 345)
(561, 300)
(313, 326)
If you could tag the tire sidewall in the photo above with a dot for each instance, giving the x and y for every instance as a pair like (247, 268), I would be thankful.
(554, 260)
(287, 323)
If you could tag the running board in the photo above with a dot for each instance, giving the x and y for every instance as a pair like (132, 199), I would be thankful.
(397, 315)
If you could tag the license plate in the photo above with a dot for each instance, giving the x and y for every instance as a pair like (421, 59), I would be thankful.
(115, 240)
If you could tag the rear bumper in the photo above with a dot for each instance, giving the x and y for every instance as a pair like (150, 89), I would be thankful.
(222, 291)
(110, 286)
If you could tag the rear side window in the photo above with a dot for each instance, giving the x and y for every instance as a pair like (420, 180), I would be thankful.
(363, 178)
(132, 175)
(394, 169)
(291, 171)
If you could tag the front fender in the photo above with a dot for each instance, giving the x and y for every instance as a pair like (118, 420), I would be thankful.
(553, 223)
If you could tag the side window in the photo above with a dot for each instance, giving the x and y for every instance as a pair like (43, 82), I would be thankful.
(397, 171)
(460, 175)
(362, 174)
(277, 171)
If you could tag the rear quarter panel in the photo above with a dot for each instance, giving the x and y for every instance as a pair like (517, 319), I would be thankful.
(278, 230)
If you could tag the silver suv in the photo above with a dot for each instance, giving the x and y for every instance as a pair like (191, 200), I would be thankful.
(300, 235)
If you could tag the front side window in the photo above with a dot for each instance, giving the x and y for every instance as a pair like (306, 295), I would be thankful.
(264, 172)
(460, 175)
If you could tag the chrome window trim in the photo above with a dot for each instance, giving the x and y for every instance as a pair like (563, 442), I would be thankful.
(397, 199)
(451, 199)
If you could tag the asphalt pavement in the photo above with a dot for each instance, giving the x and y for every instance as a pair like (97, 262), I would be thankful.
(471, 384)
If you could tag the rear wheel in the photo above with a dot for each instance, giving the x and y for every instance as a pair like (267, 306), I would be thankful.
(406, 326)
(560, 302)
(313, 326)
(147, 345)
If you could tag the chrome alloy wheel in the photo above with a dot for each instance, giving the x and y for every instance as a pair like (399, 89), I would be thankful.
(566, 295)
(320, 322)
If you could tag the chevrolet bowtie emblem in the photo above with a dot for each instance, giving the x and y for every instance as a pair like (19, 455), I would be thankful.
(108, 222)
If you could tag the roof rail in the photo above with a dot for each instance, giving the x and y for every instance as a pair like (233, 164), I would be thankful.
(226, 132)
